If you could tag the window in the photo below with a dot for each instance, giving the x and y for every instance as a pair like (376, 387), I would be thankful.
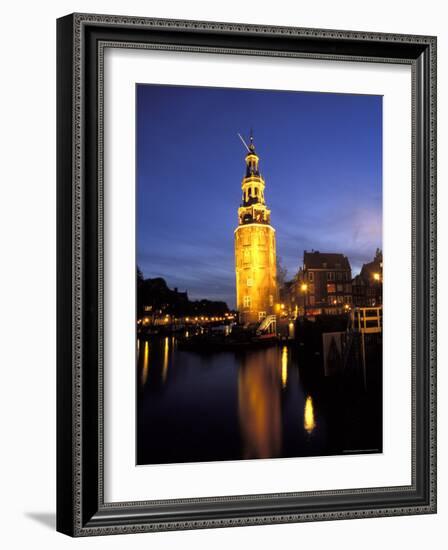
(271, 300)
(261, 315)
(262, 258)
(331, 288)
(246, 301)
(330, 276)
(311, 276)
(250, 282)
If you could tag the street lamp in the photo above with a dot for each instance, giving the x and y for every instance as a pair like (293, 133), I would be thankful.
(304, 289)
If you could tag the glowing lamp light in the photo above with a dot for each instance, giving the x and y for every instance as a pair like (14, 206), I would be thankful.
(376, 276)
(304, 287)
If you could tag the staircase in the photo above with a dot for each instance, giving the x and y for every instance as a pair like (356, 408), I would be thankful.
(268, 325)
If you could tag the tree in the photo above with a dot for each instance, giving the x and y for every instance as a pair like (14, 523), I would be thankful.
(282, 273)
(140, 277)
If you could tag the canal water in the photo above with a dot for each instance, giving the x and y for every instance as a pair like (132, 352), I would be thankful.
(258, 403)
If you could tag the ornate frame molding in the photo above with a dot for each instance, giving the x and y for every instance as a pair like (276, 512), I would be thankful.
(82, 39)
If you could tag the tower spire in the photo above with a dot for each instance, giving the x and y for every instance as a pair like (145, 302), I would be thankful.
(251, 141)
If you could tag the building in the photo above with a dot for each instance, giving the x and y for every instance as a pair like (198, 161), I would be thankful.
(255, 255)
(156, 301)
(367, 287)
(323, 285)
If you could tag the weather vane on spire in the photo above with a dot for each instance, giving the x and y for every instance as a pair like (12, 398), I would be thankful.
(251, 147)
(244, 143)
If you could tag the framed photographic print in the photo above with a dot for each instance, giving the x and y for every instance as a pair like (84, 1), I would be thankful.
(246, 274)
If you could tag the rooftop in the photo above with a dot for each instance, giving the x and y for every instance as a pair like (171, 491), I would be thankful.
(325, 260)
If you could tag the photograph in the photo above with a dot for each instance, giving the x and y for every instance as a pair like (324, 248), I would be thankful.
(259, 274)
(246, 222)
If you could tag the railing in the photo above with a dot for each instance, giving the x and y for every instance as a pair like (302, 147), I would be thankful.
(367, 320)
(269, 322)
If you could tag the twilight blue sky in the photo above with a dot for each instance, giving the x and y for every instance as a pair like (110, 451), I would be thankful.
(320, 155)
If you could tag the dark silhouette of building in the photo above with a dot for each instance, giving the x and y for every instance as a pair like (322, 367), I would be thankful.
(155, 300)
(367, 287)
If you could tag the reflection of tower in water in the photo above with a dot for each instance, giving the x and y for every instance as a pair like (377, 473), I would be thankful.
(259, 401)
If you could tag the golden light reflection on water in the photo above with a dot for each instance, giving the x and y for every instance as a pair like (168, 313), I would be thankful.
(259, 406)
(309, 422)
(284, 366)
(291, 330)
(166, 350)
(145, 369)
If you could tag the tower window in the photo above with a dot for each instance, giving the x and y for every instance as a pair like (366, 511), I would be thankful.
(246, 301)
(250, 282)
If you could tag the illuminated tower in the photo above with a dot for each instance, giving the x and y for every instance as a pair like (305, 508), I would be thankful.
(255, 259)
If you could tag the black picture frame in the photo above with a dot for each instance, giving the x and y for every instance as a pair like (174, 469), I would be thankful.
(81, 510)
